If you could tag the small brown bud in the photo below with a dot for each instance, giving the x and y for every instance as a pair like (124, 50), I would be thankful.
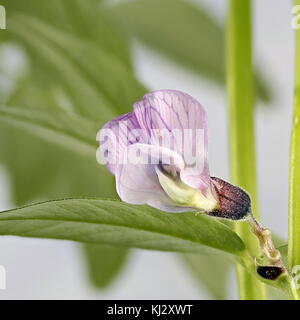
(234, 203)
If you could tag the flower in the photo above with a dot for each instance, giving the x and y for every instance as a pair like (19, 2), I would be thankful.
(159, 156)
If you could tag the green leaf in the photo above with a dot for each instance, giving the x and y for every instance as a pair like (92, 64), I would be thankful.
(276, 294)
(50, 62)
(59, 71)
(105, 263)
(115, 223)
(37, 173)
(58, 59)
(101, 70)
(45, 175)
(183, 32)
(69, 130)
(211, 271)
(87, 19)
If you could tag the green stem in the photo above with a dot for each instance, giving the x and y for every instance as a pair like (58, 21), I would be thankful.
(293, 290)
(294, 197)
(241, 116)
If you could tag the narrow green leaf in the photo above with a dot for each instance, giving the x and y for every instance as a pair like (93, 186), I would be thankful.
(179, 29)
(105, 263)
(115, 223)
(29, 92)
(101, 69)
(211, 271)
(55, 64)
(183, 32)
(69, 130)
(39, 170)
(241, 117)
(87, 19)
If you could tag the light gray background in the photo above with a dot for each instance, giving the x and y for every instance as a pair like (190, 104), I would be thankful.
(44, 269)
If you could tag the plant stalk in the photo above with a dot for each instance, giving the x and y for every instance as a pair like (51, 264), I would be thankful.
(267, 247)
(241, 123)
(294, 195)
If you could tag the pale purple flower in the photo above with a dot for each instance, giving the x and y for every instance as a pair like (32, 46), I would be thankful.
(159, 156)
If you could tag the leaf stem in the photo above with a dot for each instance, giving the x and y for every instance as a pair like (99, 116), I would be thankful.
(294, 196)
(265, 241)
(242, 144)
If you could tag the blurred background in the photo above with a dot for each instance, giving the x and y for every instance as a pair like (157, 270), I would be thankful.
(94, 59)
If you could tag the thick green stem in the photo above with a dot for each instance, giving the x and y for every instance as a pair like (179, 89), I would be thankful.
(294, 198)
(241, 124)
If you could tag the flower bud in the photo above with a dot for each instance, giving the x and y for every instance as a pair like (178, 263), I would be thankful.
(234, 203)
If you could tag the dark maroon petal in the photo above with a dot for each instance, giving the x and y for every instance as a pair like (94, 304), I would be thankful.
(234, 203)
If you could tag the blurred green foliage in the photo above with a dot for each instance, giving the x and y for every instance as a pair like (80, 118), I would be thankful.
(79, 75)
(216, 270)
(71, 64)
(103, 271)
(183, 32)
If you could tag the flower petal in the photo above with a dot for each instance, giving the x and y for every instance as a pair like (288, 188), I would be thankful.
(116, 136)
(168, 111)
(169, 122)
(138, 183)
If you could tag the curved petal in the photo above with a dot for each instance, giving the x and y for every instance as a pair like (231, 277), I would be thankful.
(137, 180)
(116, 136)
(175, 120)
(168, 119)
